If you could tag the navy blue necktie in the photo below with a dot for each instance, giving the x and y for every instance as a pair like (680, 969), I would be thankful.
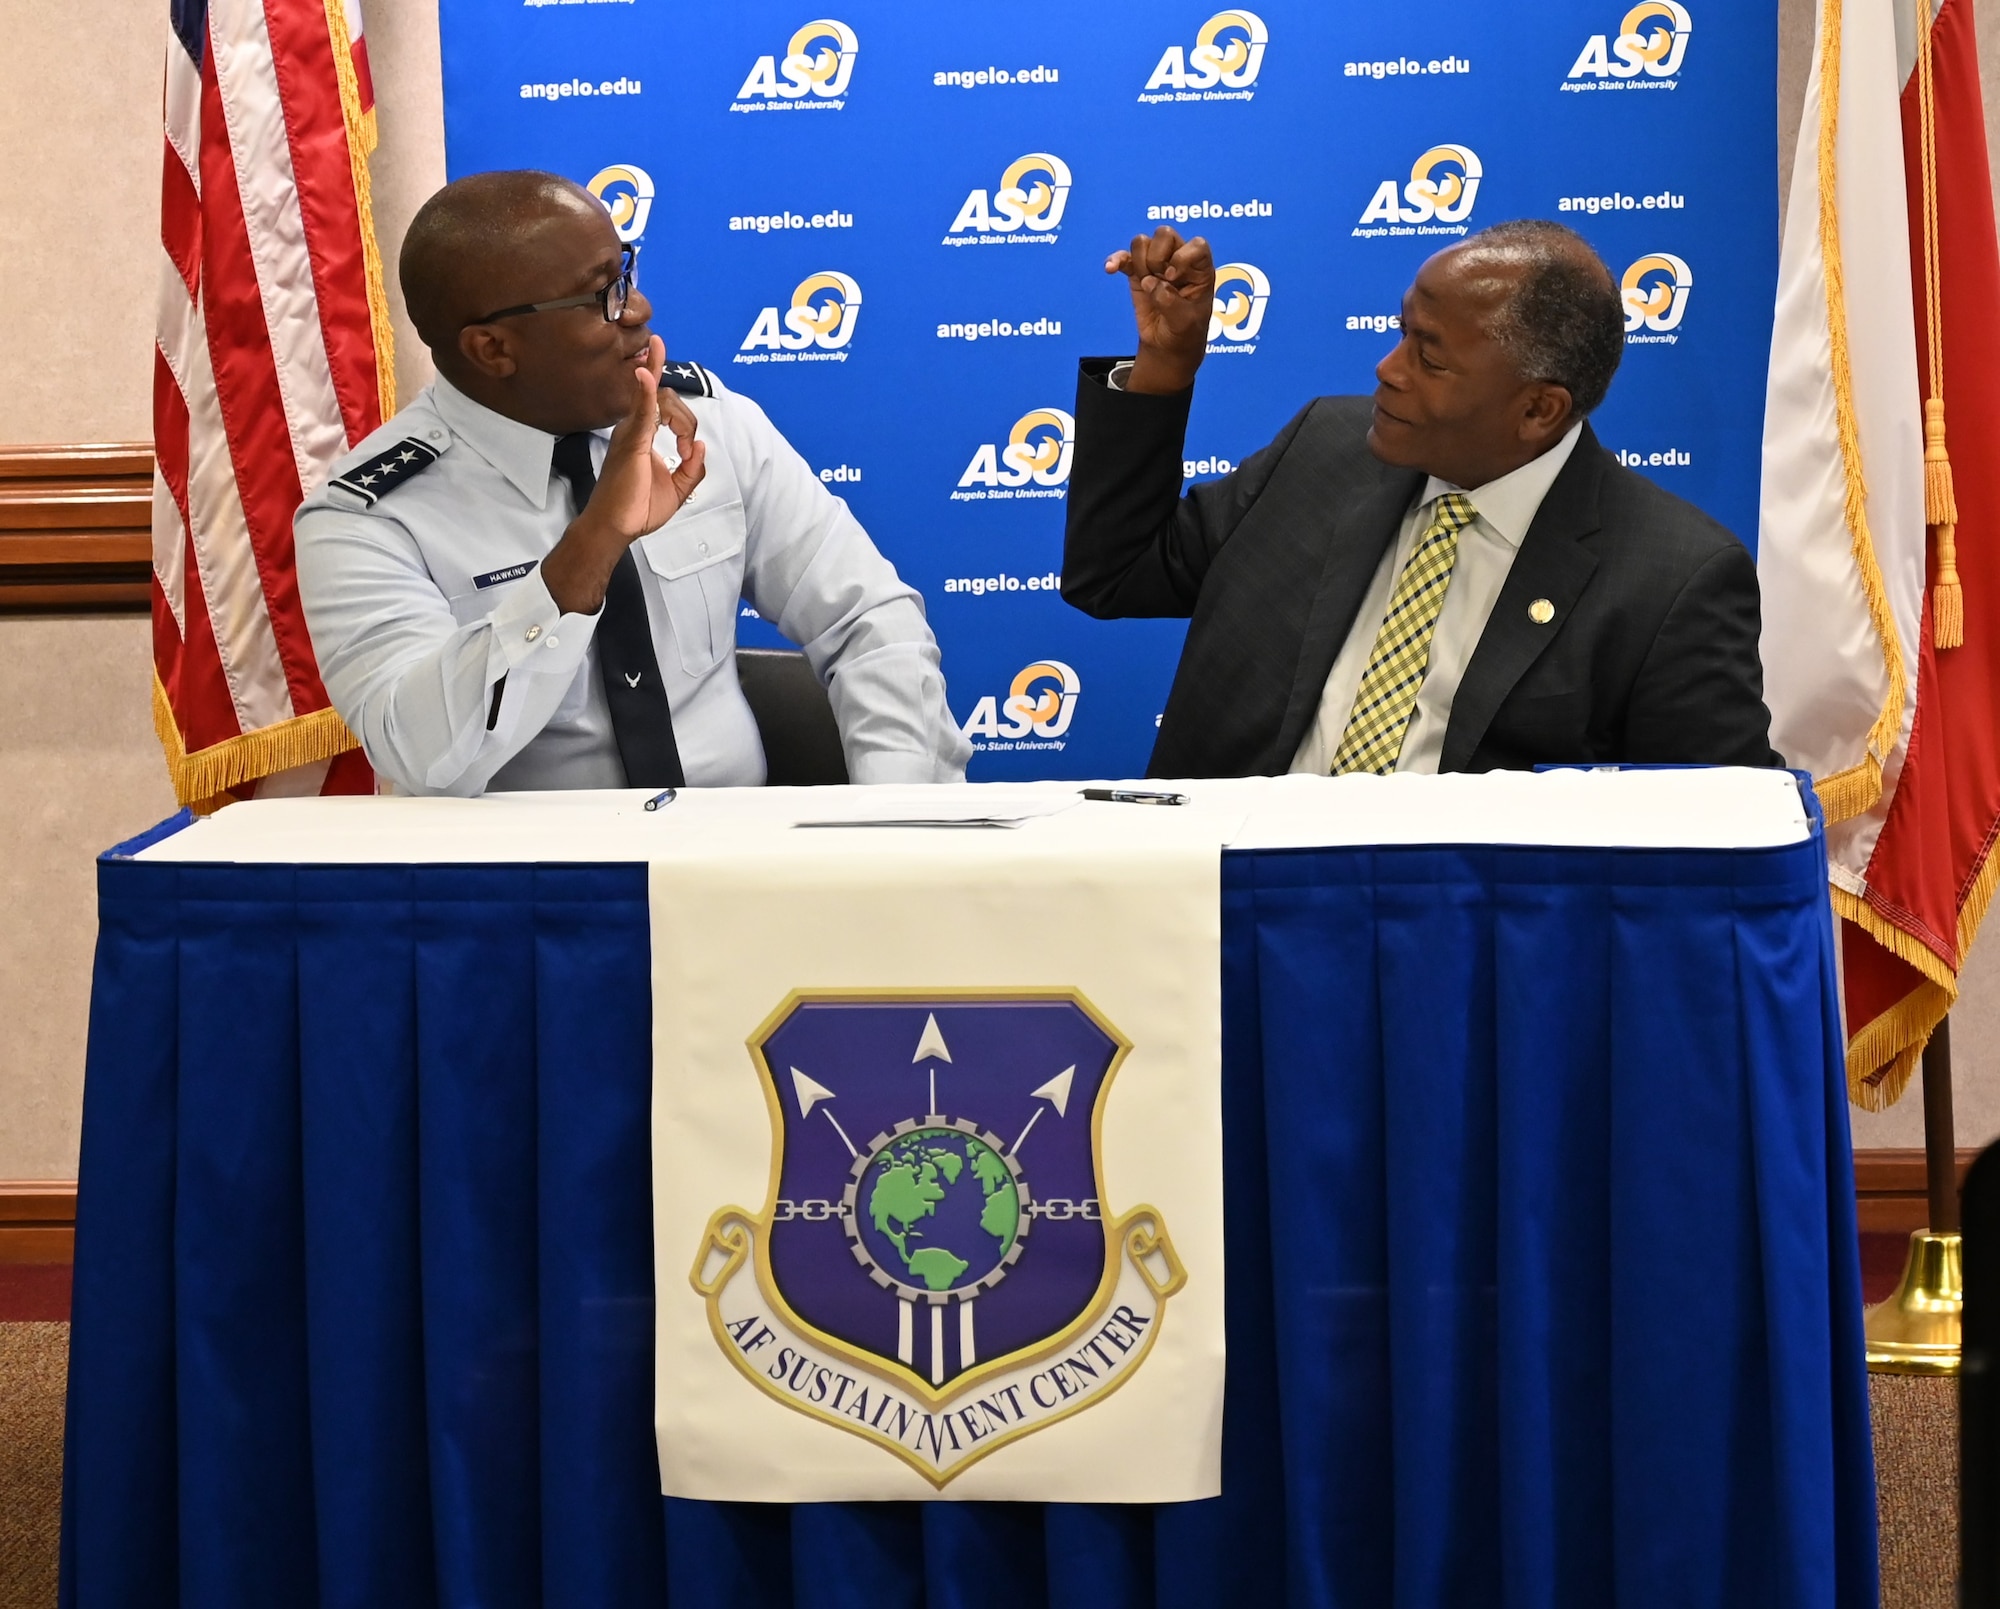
(641, 719)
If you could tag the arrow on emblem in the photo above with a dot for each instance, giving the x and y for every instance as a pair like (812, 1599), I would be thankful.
(1056, 1093)
(810, 1093)
(931, 1043)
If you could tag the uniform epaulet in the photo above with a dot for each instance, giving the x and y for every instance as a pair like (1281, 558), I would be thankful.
(689, 379)
(374, 477)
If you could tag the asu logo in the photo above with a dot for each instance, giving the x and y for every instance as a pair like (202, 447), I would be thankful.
(1655, 293)
(819, 323)
(1040, 704)
(813, 75)
(627, 194)
(1241, 292)
(937, 1269)
(1652, 40)
(1444, 183)
(1028, 205)
(1036, 456)
(1228, 53)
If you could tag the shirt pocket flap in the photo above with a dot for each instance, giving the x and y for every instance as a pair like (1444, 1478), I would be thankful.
(694, 539)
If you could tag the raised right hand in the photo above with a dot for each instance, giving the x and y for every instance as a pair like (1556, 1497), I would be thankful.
(636, 492)
(635, 495)
(1173, 297)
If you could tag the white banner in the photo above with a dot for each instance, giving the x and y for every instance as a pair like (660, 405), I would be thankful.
(937, 1160)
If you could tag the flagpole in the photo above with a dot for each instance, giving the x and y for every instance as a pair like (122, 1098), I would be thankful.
(1917, 1330)
(1940, 1144)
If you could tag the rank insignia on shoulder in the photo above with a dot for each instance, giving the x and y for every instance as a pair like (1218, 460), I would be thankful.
(387, 470)
(689, 379)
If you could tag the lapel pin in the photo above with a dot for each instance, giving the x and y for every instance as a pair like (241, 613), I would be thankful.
(1541, 611)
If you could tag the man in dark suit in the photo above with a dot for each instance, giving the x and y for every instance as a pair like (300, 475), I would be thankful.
(1450, 576)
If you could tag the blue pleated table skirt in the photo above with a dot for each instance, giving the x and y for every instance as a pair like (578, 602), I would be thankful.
(1542, 1278)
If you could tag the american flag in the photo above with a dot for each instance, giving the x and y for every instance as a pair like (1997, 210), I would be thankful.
(273, 358)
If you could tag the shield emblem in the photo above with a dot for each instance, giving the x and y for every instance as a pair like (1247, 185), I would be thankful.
(936, 1266)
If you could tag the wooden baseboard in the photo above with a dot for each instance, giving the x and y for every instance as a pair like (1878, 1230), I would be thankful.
(1889, 1190)
(37, 1220)
(76, 527)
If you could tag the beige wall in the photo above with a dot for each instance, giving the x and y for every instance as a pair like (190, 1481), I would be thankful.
(79, 766)
(79, 127)
(80, 196)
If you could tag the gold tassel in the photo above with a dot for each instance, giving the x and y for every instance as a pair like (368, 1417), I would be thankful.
(1940, 505)
(1941, 512)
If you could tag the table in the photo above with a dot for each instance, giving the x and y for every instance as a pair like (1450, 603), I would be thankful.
(1543, 1286)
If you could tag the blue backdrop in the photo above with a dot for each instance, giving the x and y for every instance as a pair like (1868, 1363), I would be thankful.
(829, 205)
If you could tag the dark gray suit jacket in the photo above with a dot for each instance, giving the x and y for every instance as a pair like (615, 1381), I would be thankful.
(1650, 656)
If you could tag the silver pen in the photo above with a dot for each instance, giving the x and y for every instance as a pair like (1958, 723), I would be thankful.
(1133, 796)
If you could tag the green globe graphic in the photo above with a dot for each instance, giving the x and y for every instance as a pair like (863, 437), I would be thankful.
(938, 1209)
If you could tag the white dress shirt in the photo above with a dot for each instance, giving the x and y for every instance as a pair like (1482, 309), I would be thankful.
(423, 603)
(1506, 508)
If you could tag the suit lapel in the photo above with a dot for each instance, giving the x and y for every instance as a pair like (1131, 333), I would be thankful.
(1552, 565)
(1352, 556)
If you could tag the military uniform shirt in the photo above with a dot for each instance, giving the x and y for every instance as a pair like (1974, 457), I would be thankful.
(445, 654)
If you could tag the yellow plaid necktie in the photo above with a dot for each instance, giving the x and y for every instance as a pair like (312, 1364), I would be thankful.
(1388, 692)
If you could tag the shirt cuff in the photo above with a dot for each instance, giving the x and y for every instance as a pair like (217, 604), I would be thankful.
(893, 766)
(1120, 373)
(534, 635)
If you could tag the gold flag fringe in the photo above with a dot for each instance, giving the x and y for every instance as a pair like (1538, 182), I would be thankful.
(1848, 793)
(1882, 1054)
(361, 138)
(1940, 504)
(202, 780)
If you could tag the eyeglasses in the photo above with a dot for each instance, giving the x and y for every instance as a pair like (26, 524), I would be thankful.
(610, 301)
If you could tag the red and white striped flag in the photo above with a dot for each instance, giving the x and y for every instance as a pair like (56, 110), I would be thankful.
(1879, 544)
(274, 357)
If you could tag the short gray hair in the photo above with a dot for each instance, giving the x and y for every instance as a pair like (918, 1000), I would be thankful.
(1564, 323)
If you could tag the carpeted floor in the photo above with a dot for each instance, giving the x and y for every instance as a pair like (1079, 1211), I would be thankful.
(1916, 1455)
(34, 1361)
(1916, 1489)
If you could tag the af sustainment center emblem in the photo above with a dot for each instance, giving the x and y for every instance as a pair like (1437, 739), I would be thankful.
(936, 1269)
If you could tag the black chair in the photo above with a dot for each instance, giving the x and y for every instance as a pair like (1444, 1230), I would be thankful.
(801, 737)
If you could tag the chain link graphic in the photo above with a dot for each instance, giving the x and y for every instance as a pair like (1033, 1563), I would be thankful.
(1059, 1209)
(813, 1212)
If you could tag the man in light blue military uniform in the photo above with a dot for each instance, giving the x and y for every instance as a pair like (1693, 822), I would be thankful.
(505, 591)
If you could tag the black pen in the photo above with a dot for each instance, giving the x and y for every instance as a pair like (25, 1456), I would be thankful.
(666, 797)
(1133, 796)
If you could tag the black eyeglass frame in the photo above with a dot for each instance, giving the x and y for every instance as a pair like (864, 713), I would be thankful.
(628, 276)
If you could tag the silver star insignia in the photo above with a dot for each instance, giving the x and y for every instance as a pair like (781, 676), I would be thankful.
(407, 458)
(369, 480)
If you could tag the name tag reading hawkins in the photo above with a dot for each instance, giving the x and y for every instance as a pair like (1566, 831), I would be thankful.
(513, 572)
